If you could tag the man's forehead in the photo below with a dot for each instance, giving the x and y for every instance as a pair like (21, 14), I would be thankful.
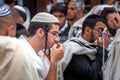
(100, 24)
(55, 27)
(72, 4)
(111, 15)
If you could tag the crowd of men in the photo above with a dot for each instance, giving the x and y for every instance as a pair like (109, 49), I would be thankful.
(60, 44)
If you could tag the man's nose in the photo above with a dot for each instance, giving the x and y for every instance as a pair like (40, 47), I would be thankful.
(57, 39)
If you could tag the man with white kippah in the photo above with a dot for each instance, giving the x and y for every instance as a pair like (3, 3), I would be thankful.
(25, 13)
(7, 24)
(44, 30)
(15, 64)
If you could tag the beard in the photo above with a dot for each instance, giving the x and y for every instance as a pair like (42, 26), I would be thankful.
(71, 19)
(112, 31)
(92, 37)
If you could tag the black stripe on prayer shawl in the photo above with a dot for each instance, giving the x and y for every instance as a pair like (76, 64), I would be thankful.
(82, 44)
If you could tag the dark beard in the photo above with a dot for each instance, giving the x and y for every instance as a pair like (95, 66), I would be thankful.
(71, 19)
(112, 31)
(92, 37)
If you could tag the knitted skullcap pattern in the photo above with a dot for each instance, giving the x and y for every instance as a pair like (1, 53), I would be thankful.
(4, 11)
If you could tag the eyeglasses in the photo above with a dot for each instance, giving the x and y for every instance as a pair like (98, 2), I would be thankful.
(99, 30)
(55, 34)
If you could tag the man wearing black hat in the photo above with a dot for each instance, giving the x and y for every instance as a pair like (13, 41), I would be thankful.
(60, 11)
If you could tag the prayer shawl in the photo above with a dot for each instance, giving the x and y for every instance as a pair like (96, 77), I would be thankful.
(111, 69)
(71, 48)
(14, 63)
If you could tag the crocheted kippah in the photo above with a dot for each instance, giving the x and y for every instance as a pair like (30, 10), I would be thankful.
(44, 17)
(4, 11)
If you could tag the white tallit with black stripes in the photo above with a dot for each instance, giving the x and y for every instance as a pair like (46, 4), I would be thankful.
(76, 46)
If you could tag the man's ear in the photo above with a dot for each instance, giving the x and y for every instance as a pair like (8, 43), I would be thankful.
(40, 32)
(87, 30)
(10, 30)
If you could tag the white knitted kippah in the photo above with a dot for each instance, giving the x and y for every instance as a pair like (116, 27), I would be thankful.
(18, 7)
(44, 17)
(4, 11)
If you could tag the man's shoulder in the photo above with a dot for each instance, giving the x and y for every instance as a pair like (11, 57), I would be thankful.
(74, 42)
(71, 45)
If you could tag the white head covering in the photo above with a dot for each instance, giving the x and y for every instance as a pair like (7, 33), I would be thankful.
(27, 13)
(4, 11)
(95, 10)
(44, 18)
(20, 8)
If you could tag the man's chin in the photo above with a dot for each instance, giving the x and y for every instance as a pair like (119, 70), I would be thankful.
(70, 19)
(50, 46)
